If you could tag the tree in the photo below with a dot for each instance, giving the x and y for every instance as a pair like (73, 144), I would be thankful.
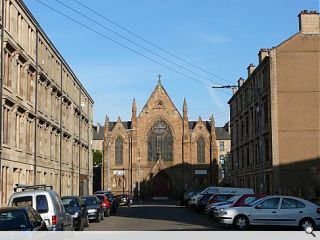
(97, 158)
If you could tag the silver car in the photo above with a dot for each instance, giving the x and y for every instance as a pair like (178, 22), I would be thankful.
(47, 203)
(274, 210)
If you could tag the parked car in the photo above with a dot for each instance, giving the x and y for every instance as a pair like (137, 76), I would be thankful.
(112, 199)
(21, 219)
(187, 196)
(219, 198)
(235, 201)
(218, 190)
(274, 210)
(124, 199)
(78, 211)
(211, 207)
(202, 202)
(105, 204)
(46, 202)
(94, 207)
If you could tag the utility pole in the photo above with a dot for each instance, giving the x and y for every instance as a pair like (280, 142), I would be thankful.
(260, 123)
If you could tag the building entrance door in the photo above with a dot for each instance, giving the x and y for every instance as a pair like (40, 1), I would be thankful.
(161, 187)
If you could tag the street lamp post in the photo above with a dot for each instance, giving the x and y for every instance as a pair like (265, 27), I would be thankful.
(257, 90)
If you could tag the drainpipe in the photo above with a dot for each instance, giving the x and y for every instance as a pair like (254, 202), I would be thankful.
(61, 102)
(36, 112)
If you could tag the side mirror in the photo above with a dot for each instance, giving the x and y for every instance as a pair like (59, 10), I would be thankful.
(258, 206)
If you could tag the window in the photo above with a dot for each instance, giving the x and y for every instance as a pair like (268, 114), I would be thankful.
(160, 142)
(221, 147)
(5, 125)
(201, 150)
(271, 203)
(288, 203)
(266, 149)
(22, 201)
(119, 151)
(221, 160)
(42, 204)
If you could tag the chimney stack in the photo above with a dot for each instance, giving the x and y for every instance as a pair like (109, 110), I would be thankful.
(250, 69)
(240, 82)
(309, 22)
(264, 52)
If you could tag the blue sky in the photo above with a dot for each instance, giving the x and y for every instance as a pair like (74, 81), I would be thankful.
(222, 37)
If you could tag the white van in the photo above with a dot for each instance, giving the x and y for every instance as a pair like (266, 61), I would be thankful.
(219, 190)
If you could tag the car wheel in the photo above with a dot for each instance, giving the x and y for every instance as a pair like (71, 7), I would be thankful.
(306, 222)
(81, 227)
(241, 222)
(108, 213)
(87, 223)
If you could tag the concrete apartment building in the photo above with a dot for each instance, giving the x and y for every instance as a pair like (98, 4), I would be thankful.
(46, 113)
(160, 152)
(275, 117)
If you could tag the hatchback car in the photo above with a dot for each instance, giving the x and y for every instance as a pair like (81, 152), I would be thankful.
(124, 199)
(112, 199)
(78, 211)
(21, 219)
(274, 210)
(94, 208)
(105, 204)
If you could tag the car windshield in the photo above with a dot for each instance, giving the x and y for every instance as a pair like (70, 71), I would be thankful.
(90, 200)
(69, 202)
(13, 219)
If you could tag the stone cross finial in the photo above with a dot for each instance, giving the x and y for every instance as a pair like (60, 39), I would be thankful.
(159, 78)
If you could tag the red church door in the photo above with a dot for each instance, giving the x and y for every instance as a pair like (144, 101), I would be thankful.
(161, 186)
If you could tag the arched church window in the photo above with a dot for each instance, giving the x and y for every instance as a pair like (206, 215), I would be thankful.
(160, 142)
(119, 151)
(201, 150)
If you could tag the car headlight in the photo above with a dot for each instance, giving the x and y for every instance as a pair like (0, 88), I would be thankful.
(223, 213)
(92, 210)
(75, 215)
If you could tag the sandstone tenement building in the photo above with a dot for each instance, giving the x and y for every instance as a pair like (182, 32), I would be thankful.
(46, 113)
(275, 117)
(160, 153)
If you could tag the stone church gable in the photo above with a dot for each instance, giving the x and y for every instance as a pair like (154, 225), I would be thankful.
(159, 102)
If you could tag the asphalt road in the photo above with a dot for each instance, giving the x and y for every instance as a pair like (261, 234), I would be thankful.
(156, 216)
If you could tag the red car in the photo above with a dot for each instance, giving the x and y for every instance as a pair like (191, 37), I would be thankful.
(219, 198)
(105, 204)
(247, 198)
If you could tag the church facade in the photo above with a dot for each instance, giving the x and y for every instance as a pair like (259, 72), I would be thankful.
(159, 153)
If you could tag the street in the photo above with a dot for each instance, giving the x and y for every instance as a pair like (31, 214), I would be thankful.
(156, 216)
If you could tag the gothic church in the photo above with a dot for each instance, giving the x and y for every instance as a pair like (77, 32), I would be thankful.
(159, 153)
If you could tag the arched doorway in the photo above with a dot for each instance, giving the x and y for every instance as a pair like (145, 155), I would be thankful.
(161, 186)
